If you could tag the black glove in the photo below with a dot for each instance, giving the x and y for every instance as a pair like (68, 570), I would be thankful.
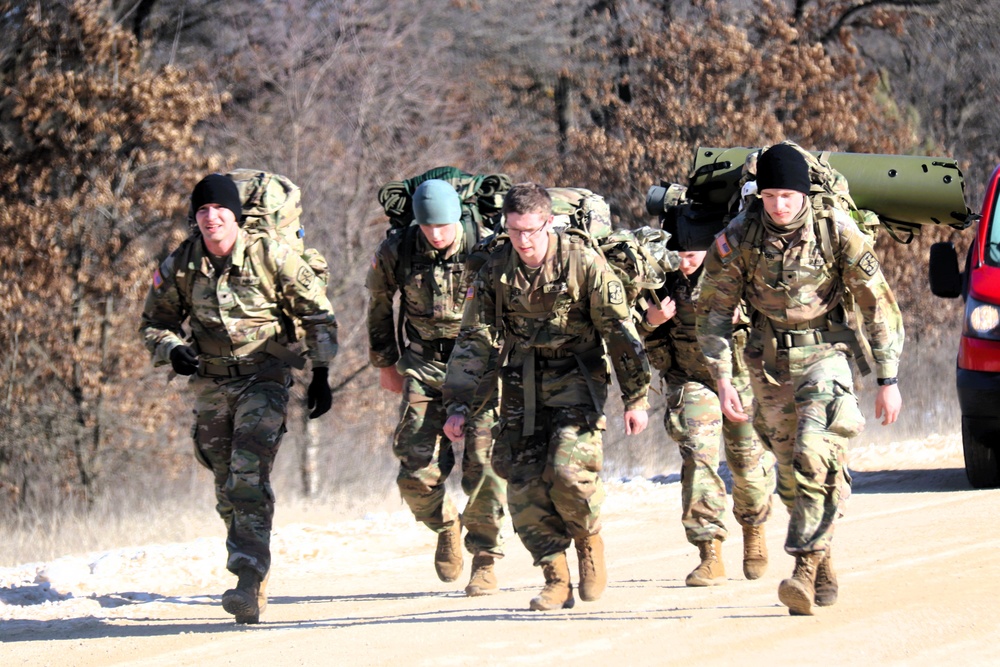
(320, 398)
(184, 360)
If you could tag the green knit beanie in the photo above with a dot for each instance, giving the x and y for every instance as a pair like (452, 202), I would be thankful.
(436, 203)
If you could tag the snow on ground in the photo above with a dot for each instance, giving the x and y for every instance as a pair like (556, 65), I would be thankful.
(105, 584)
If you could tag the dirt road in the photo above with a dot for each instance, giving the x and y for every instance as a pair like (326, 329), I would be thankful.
(916, 556)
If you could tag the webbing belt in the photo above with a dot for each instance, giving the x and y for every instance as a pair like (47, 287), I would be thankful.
(829, 331)
(269, 345)
(787, 339)
(206, 369)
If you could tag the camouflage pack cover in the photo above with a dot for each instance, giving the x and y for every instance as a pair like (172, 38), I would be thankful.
(639, 257)
(481, 195)
(272, 206)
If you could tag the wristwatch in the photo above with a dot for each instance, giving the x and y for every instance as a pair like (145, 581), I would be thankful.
(882, 382)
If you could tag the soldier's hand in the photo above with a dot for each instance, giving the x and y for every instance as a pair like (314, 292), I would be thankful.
(319, 398)
(657, 315)
(888, 402)
(636, 421)
(184, 360)
(729, 401)
(454, 428)
(390, 379)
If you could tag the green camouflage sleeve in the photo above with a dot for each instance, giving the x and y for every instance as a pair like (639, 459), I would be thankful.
(383, 349)
(722, 285)
(612, 317)
(474, 352)
(304, 296)
(163, 313)
(863, 278)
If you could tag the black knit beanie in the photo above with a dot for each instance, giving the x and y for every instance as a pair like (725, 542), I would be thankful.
(217, 189)
(781, 167)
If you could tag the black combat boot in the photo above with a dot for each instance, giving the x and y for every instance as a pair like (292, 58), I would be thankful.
(242, 601)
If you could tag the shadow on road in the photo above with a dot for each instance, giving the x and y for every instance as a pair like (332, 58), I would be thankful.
(910, 481)
(874, 481)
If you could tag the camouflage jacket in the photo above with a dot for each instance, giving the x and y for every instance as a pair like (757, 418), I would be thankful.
(237, 307)
(795, 285)
(567, 306)
(432, 294)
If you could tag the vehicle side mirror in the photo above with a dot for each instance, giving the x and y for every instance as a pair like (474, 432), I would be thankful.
(945, 278)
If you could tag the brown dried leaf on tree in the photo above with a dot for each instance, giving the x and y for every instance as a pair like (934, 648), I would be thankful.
(96, 149)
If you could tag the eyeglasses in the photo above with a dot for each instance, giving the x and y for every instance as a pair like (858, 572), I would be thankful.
(525, 234)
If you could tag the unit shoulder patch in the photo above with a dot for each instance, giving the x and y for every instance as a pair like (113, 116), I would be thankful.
(868, 263)
(305, 276)
(616, 293)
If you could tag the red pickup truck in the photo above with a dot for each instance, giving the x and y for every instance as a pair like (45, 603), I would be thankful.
(978, 370)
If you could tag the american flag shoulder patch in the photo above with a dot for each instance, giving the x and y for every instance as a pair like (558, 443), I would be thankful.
(157, 278)
(471, 292)
(722, 245)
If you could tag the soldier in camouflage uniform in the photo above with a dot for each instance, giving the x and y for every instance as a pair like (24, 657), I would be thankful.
(233, 288)
(799, 350)
(695, 421)
(432, 285)
(555, 303)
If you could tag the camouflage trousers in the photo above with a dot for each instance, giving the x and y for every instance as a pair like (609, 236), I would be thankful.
(554, 488)
(426, 458)
(794, 420)
(238, 427)
(694, 420)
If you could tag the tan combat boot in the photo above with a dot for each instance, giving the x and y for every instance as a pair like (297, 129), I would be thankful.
(483, 580)
(826, 582)
(799, 592)
(711, 571)
(558, 591)
(241, 601)
(593, 573)
(754, 552)
(448, 555)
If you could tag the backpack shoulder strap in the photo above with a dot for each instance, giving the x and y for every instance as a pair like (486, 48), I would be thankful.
(182, 271)
(408, 238)
(750, 244)
(496, 262)
(472, 236)
(827, 228)
(403, 267)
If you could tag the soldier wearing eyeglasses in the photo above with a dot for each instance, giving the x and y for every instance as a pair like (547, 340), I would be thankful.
(561, 315)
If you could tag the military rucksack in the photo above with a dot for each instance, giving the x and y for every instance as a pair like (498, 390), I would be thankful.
(639, 257)
(272, 207)
(481, 195)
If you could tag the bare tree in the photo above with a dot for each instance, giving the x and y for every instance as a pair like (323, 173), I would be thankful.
(93, 147)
